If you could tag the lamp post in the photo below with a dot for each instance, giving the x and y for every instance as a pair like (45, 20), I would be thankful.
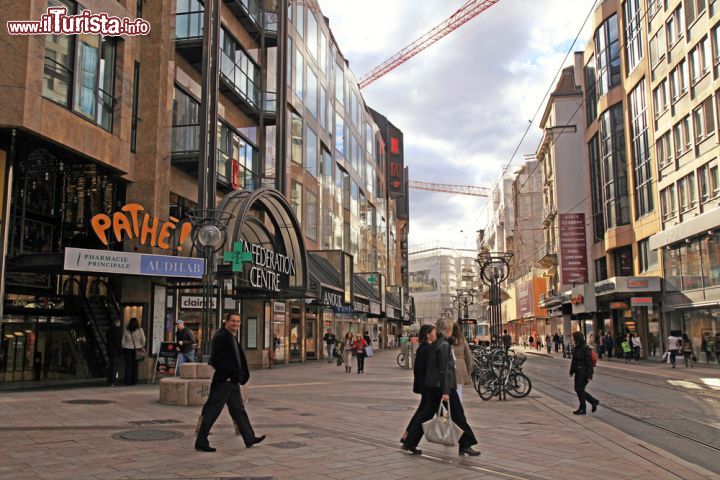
(209, 236)
(494, 269)
(462, 299)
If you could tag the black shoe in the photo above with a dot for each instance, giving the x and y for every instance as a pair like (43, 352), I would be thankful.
(205, 448)
(413, 450)
(579, 412)
(595, 405)
(255, 441)
(468, 451)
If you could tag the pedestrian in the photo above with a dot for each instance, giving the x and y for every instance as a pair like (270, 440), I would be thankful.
(556, 341)
(133, 344)
(272, 352)
(531, 341)
(627, 347)
(426, 338)
(600, 345)
(636, 347)
(609, 344)
(231, 371)
(548, 344)
(582, 368)
(523, 341)
(707, 347)
(716, 343)
(359, 349)
(330, 342)
(440, 384)
(186, 341)
(674, 344)
(463, 358)
(113, 340)
(506, 340)
(347, 350)
(367, 338)
(687, 351)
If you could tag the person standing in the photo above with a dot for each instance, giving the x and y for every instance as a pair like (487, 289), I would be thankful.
(556, 341)
(113, 339)
(687, 351)
(231, 371)
(636, 346)
(582, 368)
(359, 349)
(531, 341)
(506, 340)
(706, 346)
(133, 345)
(674, 344)
(463, 358)
(347, 350)
(548, 344)
(427, 337)
(330, 342)
(186, 341)
(600, 344)
(608, 344)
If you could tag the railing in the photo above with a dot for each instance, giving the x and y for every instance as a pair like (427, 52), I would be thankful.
(185, 138)
(270, 102)
(270, 22)
(253, 9)
(546, 250)
(240, 81)
(189, 24)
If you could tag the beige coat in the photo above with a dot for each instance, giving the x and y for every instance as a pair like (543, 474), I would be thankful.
(463, 362)
(133, 340)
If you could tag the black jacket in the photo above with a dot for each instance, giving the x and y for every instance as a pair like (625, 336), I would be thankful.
(441, 366)
(581, 364)
(330, 339)
(186, 336)
(113, 337)
(222, 358)
(420, 367)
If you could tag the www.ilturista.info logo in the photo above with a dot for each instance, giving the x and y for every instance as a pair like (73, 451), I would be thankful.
(57, 22)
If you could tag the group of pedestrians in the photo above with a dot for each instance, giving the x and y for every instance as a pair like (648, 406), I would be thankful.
(358, 346)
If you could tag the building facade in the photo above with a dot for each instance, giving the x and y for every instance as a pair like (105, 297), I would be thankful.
(91, 125)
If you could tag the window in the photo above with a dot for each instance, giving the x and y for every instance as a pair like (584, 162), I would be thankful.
(299, 85)
(596, 189)
(660, 99)
(238, 69)
(323, 53)
(296, 138)
(657, 48)
(339, 134)
(340, 85)
(653, 7)
(601, 272)
(311, 224)
(709, 181)
(691, 266)
(633, 33)
(186, 123)
(704, 120)
(667, 203)
(300, 19)
(311, 152)
(664, 150)
(296, 195)
(327, 228)
(312, 35)
(138, 8)
(58, 70)
(614, 169)
(607, 48)
(711, 260)
(687, 193)
(641, 151)
(94, 79)
(623, 261)
(189, 16)
(590, 93)
(290, 52)
(693, 9)
(675, 28)
(135, 118)
(699, 60)
(678, 81)
(681, 137)
(647, 259)
(237, 160)
(715, 34)
(323, 108)
(311, 99)
(327, 173)
(339, 184)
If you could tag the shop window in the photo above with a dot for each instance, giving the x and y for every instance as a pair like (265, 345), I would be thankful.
(710, 250)
(671, 269)
(691, 266)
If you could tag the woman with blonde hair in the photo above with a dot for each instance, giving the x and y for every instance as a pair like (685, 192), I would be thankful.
(463, 359)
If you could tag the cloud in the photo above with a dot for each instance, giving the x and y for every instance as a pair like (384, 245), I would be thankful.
(464, 103)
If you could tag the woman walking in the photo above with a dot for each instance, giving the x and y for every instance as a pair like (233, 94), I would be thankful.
(463, 359)
(548, 343)
(636, 347)
(440, 384)
(687, 351)
(582, 368)
(359, 349)
(347, 351)
(427, 337)
(133, 345)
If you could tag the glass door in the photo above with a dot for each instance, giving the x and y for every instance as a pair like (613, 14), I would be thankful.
(295, 337)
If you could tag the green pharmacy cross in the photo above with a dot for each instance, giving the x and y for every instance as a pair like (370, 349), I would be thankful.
(238, 256)
(371, 280)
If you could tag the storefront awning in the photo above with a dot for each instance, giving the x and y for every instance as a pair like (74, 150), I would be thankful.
(688, 228)
(322, 275)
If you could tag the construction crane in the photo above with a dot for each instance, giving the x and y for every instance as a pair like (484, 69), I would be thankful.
(456, 189)
(464, 14)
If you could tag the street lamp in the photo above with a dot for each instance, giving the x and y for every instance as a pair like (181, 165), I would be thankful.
(209, 236)
(462, 299)
(494, 269)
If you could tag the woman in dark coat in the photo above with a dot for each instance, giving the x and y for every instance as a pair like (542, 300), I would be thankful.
(427, 337)
(582, 368)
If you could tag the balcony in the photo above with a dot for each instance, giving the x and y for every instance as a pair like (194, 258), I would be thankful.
(188, 36)
(549, 212)
(186, 147)
(547, 255)
(269, 110)
(270, 25)
(249, 12)
(238, 86)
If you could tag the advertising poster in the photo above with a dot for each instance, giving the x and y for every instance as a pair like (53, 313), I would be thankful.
(166, 358)
(573, 248)
(425, 280)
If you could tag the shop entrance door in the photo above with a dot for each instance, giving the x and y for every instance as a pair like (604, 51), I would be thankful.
(295, 337)
(310, 337)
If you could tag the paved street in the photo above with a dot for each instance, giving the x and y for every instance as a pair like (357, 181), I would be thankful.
(321, 424)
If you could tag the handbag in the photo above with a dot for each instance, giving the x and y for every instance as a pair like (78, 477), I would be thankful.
(442, 429)
(368, 351)
(339, 360)
(139, 352)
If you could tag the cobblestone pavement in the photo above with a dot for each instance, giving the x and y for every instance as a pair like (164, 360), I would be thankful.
(321, 424)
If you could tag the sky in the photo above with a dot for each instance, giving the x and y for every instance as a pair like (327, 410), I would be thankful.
(464, 103)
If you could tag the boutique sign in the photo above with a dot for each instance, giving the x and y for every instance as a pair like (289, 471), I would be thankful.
(128, 263)
(267, 267)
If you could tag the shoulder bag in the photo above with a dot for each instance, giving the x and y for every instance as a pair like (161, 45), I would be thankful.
(139, 352)
(442, 429)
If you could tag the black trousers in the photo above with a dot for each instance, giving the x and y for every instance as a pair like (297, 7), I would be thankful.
(361, 362)
(131, 366)
(433, 397)
(113, 369)
(581, 382)
(416, 415)
(224, 393)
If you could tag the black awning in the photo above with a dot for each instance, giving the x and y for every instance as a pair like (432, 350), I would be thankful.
(392, 300)
(322, 275)
(37, 263)
(363, 288)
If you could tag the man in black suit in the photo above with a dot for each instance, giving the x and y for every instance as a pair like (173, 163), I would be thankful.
(231, 371)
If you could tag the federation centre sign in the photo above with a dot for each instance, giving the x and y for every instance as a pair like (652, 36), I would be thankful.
(128, 263)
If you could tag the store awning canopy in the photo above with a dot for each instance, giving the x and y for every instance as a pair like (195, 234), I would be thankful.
(322, 275)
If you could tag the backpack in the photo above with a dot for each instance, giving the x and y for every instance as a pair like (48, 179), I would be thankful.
(593, 358)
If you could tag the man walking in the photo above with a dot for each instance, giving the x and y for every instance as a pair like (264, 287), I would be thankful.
(231, 371)
(330, 342)
(556, 341)
(186, 341)
(506, 340)
(113, 337)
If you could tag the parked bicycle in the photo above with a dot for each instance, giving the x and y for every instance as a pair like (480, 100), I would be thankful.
(497, 373)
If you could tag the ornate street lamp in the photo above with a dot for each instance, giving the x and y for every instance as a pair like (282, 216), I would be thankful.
(209, 237)
(494, 269)
(462, 299)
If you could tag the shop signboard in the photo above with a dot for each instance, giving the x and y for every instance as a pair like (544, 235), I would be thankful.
(396, 163)
(582, 299)
(158, 313)
(279, 307)
(524, 299)
(573, 248)
(374, 308)
(196, 302)
(166, 358)
(267, 267)
(641, 302)
(129, 263)
(360, 305)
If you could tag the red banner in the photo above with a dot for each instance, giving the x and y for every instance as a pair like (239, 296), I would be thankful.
(573, 248)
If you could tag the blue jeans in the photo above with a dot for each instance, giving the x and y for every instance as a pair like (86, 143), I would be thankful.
(330, 350)
(183, 358)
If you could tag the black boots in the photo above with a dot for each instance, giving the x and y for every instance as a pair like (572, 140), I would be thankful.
(468, 451)
(413, 450)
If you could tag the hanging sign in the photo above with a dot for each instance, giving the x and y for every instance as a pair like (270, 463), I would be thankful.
(128, 263)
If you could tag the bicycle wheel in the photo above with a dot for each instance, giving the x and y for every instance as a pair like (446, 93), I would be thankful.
(519, 385)
(487, 388)
(401, 360)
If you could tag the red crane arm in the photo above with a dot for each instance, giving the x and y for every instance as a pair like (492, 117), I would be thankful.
(464, 14)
